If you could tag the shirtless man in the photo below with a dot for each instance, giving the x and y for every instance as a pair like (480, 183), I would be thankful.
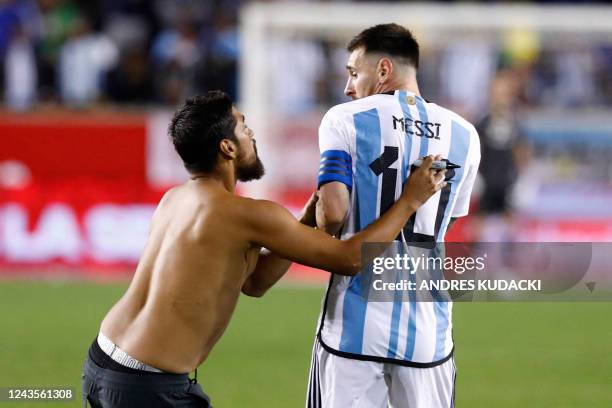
(203, 250)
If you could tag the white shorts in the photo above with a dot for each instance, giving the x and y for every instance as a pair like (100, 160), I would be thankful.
(339, 382)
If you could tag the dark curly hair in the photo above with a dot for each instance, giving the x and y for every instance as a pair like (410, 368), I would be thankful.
(197, 128)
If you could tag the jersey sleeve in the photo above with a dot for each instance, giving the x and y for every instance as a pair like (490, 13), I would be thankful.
(462, 205)
(336, 163)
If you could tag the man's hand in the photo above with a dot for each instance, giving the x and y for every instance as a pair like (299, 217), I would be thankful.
(309, 212)
(332, 207)
(423, 183)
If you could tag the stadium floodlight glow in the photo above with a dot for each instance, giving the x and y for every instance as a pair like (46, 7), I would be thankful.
(431, 21)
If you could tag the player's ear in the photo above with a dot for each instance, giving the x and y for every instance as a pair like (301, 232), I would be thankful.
(384, 69)
(228, 149)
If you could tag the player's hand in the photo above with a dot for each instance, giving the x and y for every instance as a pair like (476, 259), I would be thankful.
(308, 214)
(423, 182)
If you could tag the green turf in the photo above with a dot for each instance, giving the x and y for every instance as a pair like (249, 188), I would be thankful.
(508, 354)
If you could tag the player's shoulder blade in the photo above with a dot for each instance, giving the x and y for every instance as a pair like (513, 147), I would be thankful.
(359, 105)
(454, 116)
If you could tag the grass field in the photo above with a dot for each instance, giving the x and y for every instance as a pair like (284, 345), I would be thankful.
(508, 354)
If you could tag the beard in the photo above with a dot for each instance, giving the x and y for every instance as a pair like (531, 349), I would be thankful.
(250, 171)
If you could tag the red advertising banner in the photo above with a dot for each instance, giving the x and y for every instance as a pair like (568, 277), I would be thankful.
(66, 145)
(73, 189)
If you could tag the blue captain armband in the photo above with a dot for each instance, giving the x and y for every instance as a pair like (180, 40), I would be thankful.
(336, 165)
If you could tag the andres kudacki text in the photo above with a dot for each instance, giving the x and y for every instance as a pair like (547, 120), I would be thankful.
(458, 265)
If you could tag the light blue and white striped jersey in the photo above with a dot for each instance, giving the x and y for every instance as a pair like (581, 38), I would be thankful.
(369, 145)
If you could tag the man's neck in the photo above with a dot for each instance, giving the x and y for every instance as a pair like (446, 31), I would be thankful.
(408, 85)
(223, 179)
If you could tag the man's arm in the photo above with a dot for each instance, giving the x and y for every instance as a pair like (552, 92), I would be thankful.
(335, 177)
(332, 207)
(271, 267)
(272, 226)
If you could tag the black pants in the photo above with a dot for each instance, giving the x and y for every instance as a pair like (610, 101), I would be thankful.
(107, 384)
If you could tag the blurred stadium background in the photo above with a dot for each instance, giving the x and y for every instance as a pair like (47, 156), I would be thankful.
(88, 88)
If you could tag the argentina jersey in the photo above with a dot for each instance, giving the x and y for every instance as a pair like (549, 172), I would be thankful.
(369, 145)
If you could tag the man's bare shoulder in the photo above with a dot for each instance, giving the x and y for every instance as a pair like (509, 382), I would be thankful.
(229, 208)
(163, 204)
(193, 205)
(167, 197)
(251, 209)
(242, 219)
(205, 210)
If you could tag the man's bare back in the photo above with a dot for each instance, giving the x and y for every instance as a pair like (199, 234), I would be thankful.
(187, 283)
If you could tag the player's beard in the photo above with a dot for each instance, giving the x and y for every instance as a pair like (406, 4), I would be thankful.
(249, 171)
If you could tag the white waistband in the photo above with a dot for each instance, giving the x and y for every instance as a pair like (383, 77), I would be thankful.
(121, 356)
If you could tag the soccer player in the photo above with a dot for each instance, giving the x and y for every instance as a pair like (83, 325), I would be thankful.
(375, 354)
(203, 250)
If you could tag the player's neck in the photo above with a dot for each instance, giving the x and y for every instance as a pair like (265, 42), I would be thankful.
(409, 85)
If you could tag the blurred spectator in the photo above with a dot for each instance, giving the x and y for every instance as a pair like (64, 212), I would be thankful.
(504, 149)
(466, 70)
(17, 13)
(59, 20)
(298, 68)
(8, 20)
(336, 80)
(176, 55)
(603, 73)
(18, 19)
(131, 81)
(575, 73)
(219, 68)
(173, 12)
(84, 61)
(130, 23)
(20, 75)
